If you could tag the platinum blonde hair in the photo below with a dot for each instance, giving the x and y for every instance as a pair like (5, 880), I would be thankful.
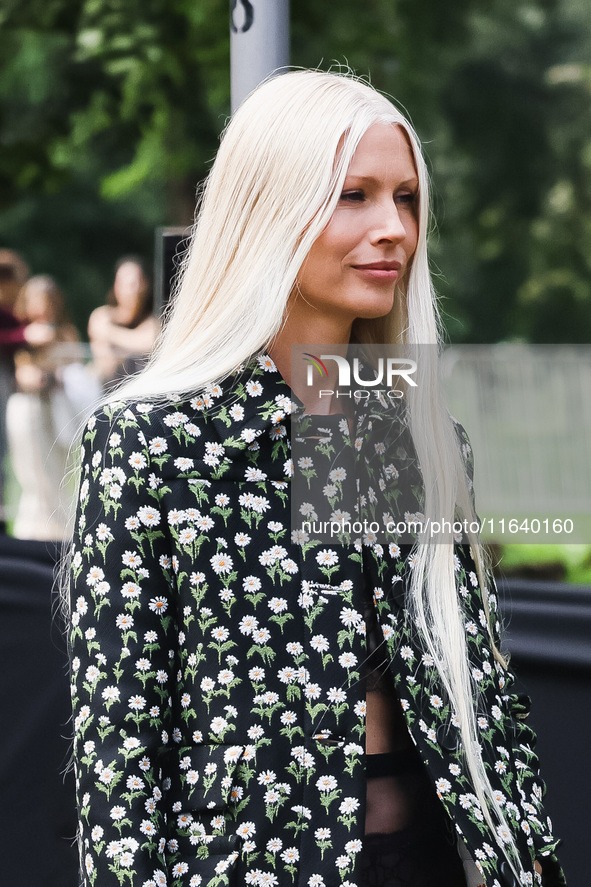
(271, 192)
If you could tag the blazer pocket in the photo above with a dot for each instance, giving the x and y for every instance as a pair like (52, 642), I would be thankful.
(202, 840)
(202, 777)
(214, 860)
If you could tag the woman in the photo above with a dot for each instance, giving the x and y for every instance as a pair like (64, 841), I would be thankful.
(40, 421)
(233, 725)
(122, 332)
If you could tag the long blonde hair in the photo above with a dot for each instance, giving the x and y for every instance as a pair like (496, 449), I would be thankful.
(271, 191)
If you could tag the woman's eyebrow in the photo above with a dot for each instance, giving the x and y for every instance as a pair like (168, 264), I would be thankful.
(412, 180)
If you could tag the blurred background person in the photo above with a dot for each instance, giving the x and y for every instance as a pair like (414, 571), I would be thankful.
(123, 331)
(13, 334)
(40, 301)
(13, 274)
(40, 422)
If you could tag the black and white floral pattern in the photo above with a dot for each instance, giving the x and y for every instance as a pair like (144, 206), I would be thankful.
(219, 714)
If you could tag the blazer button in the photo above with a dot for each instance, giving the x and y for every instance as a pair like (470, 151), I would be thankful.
(447, 737)
(329, 739)
(509, 878)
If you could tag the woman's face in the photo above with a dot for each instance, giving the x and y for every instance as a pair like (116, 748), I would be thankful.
(38, 305)
(365, 250)
(129, 287)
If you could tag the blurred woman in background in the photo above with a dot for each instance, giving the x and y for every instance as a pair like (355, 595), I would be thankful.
(13, 335)
(123, 331)
(40, 425)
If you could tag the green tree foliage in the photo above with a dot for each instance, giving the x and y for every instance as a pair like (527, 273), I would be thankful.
(107, 126)
(122, 81)
(499, 93)
(518, 117)
(110, 112)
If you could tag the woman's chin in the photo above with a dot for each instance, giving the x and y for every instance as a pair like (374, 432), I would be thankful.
(374, 310)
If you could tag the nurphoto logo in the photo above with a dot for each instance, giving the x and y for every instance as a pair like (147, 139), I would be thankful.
(314, 362)
(388, 371)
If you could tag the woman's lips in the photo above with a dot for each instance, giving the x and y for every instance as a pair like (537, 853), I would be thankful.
(379, 270)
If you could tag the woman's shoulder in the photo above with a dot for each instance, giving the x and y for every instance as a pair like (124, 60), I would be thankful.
(232, 412)
(151, 322)
(137, 412)
(172, 418)
(102, 312)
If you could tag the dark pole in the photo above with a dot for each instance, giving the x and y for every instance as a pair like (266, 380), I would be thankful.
(259, 43)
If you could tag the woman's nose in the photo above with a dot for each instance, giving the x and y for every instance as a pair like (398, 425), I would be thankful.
(388, 224)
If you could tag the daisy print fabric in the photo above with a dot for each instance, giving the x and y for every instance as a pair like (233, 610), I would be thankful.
(219, 714)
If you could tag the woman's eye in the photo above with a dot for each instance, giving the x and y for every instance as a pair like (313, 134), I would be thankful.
(353, 196)
(407, 198)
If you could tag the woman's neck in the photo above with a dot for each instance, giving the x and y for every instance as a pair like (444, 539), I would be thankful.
(306, 327)
(285, 356)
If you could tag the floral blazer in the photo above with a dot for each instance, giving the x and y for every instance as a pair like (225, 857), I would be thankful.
(219, 711)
